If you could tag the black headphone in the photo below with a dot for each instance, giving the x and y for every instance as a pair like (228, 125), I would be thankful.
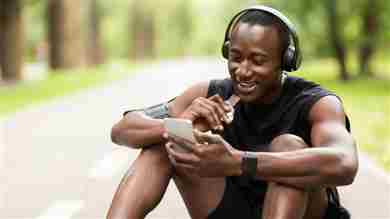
(292, 57)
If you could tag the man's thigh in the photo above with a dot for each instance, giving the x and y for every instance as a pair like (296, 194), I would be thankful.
(143, 185)
(200, 195)
(317, 198)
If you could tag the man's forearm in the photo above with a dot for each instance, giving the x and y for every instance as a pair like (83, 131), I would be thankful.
(308, 167)
(303, 182)
(137, 130)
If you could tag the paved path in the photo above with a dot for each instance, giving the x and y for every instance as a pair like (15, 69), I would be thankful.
(57, 161)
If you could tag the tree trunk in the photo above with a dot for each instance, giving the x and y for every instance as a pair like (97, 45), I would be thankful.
(369, 36)
(335, 36)
(64, 34)
(11, 40)
(142, 26)
(184, 22)
(95, 49)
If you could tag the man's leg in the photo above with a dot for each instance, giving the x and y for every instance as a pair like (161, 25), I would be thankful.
(135, 198)
(283, 201)
(200, 195)
(143, 185)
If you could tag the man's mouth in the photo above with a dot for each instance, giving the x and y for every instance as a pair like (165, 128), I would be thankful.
(246, 87)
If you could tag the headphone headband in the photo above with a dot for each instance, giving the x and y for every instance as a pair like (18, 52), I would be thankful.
(292, 31)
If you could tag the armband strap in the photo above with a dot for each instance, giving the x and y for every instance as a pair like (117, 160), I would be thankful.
(159, 111)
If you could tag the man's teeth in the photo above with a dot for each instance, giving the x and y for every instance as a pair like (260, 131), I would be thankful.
(247, 85)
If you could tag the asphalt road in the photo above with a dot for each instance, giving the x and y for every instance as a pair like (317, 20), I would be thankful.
(57, 161)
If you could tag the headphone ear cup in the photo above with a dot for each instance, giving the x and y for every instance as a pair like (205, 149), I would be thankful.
(289, 60)
(225, 49)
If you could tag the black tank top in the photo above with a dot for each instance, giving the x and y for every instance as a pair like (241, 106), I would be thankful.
(255, 125)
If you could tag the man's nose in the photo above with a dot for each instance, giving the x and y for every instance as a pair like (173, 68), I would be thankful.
(244, 69)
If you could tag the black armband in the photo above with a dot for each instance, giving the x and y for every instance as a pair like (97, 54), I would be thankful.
(159, 111)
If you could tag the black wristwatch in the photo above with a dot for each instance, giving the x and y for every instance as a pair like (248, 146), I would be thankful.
(249, 164)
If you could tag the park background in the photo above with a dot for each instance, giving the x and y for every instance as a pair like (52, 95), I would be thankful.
(52, 48)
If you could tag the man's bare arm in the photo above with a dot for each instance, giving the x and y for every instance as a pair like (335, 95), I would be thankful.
(332, 161)
(137, 130)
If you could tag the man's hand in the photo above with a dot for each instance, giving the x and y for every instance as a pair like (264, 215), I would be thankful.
(207, 113)
(211, 157)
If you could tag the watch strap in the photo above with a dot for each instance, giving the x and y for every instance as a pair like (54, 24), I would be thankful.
(249, 164)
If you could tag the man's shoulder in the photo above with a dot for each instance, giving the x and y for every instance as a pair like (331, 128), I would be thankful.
(311, 93)
(221, 82)
(306, 88)
(303, 94)
(302, 83)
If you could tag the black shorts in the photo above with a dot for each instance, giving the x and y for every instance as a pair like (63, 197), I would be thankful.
(243, 203)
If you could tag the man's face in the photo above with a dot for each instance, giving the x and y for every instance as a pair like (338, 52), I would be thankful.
(254, 62)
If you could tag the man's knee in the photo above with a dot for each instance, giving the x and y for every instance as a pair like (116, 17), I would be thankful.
(156, 153)
(287, 142)
(156, 156)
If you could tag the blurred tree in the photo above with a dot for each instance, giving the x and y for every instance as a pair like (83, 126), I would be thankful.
(183, 16)
(358, 32)
(142, 28)
(94, 46)
(64, 34)
(11, 39)
(336, 37)
(369, 34)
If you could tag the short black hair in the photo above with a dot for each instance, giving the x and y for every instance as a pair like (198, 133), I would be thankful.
(263, 18)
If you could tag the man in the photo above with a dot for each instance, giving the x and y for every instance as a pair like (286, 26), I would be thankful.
(286, 150)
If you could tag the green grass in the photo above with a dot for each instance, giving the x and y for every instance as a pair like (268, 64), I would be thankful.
(367, 103)
(59, 83)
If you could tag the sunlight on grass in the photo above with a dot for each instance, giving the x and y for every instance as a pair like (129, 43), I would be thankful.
(60, 83)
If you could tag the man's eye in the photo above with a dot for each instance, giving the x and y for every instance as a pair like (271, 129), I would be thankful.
(258, 61)
(234, 56)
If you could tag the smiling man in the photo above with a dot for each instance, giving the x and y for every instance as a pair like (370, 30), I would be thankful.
(283, 155)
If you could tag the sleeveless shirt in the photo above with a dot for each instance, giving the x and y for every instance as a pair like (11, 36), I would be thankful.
(255, 125)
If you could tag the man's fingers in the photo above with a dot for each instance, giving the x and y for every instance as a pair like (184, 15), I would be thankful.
(218, 99)
(213, 109)
(223, 106)
(210, 112)
(204, 137)
(180, 157)
(201, 107)
(185, 167)
(219, 109)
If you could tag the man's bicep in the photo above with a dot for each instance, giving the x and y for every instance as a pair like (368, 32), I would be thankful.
(332, 134)
(328, 121)
(181, 102)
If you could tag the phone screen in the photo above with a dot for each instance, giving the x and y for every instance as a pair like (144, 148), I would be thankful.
(180, 127)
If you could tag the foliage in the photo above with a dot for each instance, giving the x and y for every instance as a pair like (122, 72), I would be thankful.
(196, 27)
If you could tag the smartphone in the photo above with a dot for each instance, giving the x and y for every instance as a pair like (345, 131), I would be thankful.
(182, 128)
